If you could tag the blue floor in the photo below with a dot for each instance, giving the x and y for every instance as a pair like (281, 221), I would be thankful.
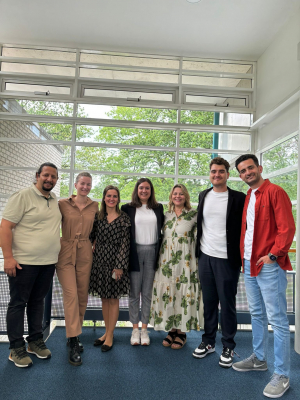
(138, 372)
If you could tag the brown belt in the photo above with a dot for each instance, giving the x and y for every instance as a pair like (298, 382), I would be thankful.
(76, 245)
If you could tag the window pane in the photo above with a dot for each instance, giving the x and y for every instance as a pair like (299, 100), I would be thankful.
(43, 54)
(33, 155)
(127, 95)
(217, 67)
(38, 107)
(37, 69)
(130, 61)
(216, 101)
(215, 81)
(239, 186)
(162, 186)
(24, 87)
(209, 140)
(281, 156)
(130, 136)
(127, 75)
(127, 113)
(288, 182)
(34, 130)
(197, 117)
(124, 160)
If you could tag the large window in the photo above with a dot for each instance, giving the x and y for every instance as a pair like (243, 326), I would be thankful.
(121, 116)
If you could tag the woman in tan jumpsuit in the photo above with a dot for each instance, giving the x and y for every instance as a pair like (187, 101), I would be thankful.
(75, 259)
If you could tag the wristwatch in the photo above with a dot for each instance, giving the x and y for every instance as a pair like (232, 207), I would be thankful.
(272, 257)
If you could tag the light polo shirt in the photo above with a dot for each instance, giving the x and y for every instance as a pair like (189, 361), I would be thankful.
(36, 237)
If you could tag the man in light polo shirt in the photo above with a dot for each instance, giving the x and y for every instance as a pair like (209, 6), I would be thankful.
(30, 237)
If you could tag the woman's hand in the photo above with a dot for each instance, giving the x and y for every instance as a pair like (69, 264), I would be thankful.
(118, 273)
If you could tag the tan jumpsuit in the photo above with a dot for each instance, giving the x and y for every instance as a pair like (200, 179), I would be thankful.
(75, 260)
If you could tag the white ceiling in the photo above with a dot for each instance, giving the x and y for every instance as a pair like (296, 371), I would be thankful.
(237, 29)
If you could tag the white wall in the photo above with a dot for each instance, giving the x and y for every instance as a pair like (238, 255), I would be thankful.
(278, 76)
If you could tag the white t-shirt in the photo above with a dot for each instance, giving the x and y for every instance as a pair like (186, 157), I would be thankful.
(213, 241)
(250, 226)
(145, 226)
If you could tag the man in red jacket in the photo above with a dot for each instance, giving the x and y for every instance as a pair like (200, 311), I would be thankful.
(268, 230)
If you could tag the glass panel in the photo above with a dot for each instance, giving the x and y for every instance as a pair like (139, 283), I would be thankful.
(127, 75)
(288, 182)
(33, 130)
(132, 136)
(130, 61)
(194, 187)
(216, 101)
(235, 119)
(25, 87)
(125, 160)
(217, 67)
(63, 184)
(127, 113)
(215, 81)
(122, 94)
(43, 54)
(33, 155)
(197, 117)
(37, 69)
(239, 186)
(37, 107)
(198, 163)
(162, 186)
(207, 140)
(281, 156)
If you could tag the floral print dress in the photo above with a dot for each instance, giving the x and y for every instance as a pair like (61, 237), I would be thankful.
(176, 297)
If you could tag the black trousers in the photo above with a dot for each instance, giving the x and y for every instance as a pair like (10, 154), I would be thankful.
(219, 284)
(28, 288)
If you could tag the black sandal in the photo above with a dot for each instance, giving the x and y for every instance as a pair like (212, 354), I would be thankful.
(170, 342)
(182, 337)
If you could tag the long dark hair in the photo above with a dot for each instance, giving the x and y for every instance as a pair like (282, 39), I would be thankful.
(102, 212)
(135, 200)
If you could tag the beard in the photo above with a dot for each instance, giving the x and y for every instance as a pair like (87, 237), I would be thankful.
(47, 189)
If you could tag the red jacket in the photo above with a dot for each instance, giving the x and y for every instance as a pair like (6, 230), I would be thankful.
(274, 226)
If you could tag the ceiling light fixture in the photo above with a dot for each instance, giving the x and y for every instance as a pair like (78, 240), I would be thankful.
(193, 1)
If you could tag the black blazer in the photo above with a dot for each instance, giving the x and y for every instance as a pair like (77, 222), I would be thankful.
(234, 214)
(133, 257)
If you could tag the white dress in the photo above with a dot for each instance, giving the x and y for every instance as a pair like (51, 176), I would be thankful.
(176, 297)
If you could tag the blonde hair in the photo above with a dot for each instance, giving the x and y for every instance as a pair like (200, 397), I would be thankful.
(187, 204)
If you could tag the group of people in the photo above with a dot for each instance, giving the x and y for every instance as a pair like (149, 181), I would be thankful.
(180, 266)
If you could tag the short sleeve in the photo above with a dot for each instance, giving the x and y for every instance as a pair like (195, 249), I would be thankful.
(15, 208)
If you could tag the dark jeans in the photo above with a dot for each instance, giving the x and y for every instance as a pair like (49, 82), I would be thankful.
(219, 284)
(28, 288)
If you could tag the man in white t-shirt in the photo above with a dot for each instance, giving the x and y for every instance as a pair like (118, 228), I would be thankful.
(30, 238)
(218, 235)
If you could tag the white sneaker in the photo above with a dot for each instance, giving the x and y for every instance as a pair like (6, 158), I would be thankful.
(145, 340)
(135, 339)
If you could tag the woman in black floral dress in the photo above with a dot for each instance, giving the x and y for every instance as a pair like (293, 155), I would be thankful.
(109, 275)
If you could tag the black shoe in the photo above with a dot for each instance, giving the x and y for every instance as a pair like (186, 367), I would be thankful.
(74, 353)
(106, 348)
(81, 348)
(226, 358)
(99, 342)
(203, 349)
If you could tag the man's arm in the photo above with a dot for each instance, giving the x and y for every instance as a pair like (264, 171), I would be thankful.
(10, 264)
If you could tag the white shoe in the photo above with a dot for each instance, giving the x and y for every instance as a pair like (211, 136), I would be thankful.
(135, 339)
(145, 340)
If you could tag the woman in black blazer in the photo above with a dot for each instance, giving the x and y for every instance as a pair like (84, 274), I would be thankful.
(147, 218)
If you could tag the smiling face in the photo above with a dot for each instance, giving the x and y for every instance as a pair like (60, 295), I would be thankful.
(144, 192)
(178, 197)
(250, 173)
(83, 186)
(111, 198)
(46, 180)
(218, 175)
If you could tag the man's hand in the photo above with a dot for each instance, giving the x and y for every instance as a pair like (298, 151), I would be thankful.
(10, 266)
(265, 260)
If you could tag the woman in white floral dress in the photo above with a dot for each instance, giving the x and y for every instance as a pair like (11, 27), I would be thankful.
(176, 298)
